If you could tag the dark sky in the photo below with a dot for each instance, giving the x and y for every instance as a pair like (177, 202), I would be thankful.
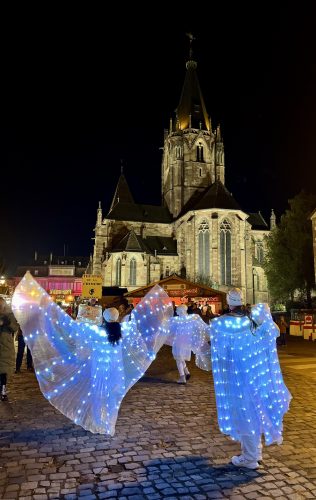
(84, 90)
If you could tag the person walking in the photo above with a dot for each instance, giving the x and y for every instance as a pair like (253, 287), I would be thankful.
(188, 332)
(20, 353)
(251, 396)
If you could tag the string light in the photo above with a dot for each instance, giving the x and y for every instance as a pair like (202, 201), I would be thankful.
(246, 369)
(78, 370)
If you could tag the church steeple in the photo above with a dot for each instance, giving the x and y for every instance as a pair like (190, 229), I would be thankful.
(191, 111)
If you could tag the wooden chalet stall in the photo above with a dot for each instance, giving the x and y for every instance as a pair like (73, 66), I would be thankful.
(182, 291)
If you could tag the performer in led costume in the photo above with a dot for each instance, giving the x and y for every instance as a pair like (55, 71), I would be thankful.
(81, 369)
(188, 332)
(251, 396)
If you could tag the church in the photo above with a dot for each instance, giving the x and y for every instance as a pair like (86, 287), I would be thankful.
(200, 232)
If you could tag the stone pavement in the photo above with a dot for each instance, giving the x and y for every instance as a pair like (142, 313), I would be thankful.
(167, 443)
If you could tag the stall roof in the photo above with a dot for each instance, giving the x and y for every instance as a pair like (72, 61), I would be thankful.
(179, 287)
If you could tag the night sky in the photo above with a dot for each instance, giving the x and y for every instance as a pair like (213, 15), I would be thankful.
(84, 91)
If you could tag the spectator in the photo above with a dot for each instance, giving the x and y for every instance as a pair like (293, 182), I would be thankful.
(19, 356)
(282, 324)
(8, 326)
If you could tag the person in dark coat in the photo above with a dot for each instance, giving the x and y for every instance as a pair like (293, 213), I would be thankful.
(8, 326)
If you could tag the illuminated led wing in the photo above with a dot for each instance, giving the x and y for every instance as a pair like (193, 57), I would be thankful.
(151, 316)
(250, 392)
(78, 370)
(190, 333)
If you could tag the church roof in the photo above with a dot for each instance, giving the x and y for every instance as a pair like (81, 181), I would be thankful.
(132, 242)
(140, 213)
(164, 245)
(192, 102)
(215, 196)
(257, 221)
(122, 193)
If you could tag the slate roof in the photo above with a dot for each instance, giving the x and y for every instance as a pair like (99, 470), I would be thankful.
(215, 196)
(257, 221)
(140, 213)
(132, 242)
(122, 192)
(192, 102)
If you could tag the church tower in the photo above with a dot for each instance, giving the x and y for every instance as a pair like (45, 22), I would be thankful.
(193, 156)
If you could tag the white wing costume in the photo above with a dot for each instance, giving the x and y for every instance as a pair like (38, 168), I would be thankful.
(79, 371)
(190, 333)
(249, 387)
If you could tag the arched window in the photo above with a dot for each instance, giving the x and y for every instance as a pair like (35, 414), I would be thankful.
(118, 272)
(204, 249)
(226, 253)
(199, 152)
(260, 252)
(132, 272)
(167, 271)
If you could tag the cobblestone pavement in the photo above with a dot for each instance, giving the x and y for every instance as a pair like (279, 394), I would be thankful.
(167, 443)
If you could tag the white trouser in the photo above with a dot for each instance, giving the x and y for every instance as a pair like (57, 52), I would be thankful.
(251, 447)
(182, 367)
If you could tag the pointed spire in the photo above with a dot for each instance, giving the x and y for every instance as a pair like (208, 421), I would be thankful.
(122, 192)
(218, 133)
(191, 100)
(99, 215)
(272, 220)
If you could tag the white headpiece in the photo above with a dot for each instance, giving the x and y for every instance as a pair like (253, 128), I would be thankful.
(234, 297)
(111, 314)
(182, 310)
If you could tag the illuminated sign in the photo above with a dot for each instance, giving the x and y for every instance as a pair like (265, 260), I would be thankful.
(91, 286)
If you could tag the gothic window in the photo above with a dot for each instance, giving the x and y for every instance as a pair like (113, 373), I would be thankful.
(118, 272)
(260, 252)
(204, 249)
(199, 152)
(178, 152)
(226, 253)
(132, 272)
(167, 271)
(200, 172)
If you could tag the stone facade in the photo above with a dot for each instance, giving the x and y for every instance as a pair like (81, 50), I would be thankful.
(200, 232)
(313, 218)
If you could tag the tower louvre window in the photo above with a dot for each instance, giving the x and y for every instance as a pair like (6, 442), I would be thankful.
(204, 249)
(178, 152)
(225, 253)
(199, 153)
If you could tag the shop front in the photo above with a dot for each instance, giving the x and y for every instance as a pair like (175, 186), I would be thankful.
(182, 291)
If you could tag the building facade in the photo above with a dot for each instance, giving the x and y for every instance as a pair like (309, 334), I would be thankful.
(200, 231)
(313, 218)
(60, 276)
